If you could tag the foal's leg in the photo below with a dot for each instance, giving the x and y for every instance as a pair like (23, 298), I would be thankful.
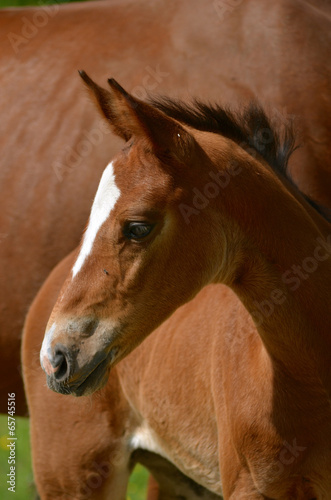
(78, 447)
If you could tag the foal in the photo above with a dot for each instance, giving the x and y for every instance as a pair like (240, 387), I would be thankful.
(197, 197)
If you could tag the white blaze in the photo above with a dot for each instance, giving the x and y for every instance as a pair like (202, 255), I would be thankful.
(46, 345)
(104, 201)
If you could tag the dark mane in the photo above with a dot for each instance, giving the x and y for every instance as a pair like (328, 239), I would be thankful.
(251, 128)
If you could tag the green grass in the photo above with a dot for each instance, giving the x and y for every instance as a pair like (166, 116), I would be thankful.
(25, 489)
(23, 3)
(137, 488)
(24, 479)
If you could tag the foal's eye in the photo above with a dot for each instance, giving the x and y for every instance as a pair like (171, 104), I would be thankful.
(137, 230)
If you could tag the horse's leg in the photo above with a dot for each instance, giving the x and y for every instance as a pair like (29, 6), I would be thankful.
(238, 483)
(168, 483)
(78, 445)
(246, 491)
(152, 489)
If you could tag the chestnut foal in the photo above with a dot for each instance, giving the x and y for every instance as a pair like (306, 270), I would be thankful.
(234, 388)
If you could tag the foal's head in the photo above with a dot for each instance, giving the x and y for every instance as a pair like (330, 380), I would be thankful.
(177, 209)
(144, 253)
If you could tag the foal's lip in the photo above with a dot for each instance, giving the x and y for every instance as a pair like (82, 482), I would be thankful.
(97, 378)
(94, 381)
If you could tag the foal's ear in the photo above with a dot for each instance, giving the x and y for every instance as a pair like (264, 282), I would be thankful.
(115, 106)
(130, 117)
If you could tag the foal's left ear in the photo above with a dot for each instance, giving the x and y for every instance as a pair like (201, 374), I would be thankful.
(130, 117)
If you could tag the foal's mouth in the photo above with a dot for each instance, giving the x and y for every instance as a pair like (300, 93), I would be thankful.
(95, 380)
(89, 380)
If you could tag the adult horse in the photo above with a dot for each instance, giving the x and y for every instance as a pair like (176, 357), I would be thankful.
(53, 148)
(234, 388)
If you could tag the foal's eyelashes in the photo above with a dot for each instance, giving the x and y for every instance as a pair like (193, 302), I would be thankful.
(137, 230)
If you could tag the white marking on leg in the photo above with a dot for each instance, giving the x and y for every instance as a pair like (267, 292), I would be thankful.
(104, 201)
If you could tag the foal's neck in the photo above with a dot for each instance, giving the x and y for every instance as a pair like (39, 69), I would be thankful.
(278, 251)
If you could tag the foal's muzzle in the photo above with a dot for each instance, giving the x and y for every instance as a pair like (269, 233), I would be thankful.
(65, 377)
(77, 354)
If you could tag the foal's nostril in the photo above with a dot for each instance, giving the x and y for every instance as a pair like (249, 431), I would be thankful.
(57, 359)
(60, 363)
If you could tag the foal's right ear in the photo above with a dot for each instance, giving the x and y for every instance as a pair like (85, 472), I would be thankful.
(129, 117)
(117, 106)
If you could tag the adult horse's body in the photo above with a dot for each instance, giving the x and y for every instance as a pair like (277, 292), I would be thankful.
(234, 388)
(53, 148)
